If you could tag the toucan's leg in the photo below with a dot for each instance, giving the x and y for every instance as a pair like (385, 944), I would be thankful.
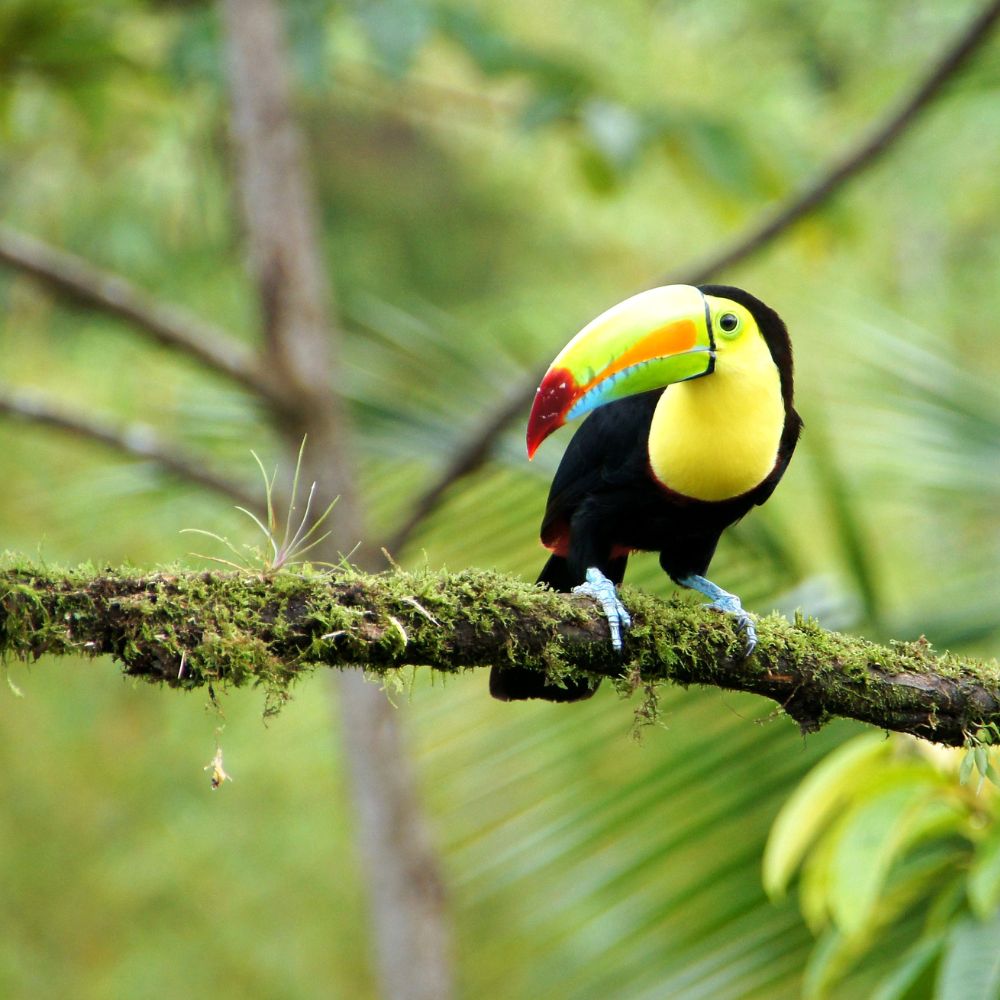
(722, 600)
(603, 591)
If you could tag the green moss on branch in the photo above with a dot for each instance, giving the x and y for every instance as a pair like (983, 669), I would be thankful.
(188, 629)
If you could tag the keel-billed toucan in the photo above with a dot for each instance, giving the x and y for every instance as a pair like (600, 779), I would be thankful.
(693, 425)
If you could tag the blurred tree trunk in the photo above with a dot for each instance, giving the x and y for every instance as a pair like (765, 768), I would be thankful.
(410, 923)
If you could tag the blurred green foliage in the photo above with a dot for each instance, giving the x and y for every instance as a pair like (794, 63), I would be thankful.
(893, 831)
(490, 177)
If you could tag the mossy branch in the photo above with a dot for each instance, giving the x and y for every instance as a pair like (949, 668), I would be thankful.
(187, 630)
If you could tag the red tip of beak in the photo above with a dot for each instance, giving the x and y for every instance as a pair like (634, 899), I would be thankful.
(552, 399)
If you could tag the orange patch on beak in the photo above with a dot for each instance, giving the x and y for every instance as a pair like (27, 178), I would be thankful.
(672, 338)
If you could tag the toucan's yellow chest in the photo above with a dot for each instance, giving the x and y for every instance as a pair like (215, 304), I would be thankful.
(716, 437)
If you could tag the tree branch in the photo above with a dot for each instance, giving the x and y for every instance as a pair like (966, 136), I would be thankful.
(772, 224)
(81, 282)
(464, 462)
(193, 629)
(863, 155)
(135, 440)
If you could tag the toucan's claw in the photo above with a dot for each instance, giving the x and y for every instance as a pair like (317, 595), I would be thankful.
(743, 621)
(722, 600)
(603, 591)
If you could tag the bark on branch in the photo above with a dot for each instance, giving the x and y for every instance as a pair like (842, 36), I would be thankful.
(188, 630)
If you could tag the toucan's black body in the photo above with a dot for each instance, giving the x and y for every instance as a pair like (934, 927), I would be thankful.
(605, 503)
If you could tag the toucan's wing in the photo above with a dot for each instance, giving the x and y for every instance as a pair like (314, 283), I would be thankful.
(609, 447)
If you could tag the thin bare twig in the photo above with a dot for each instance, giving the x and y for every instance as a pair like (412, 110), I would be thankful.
(773, 223)
(95, 288)
(135, 440)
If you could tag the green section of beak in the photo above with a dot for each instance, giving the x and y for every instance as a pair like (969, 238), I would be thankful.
(643, 376)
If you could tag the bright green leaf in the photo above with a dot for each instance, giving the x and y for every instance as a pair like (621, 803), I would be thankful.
(396, 30)
(600, 174)
(970, 968)
(912, 970)
(545, 108)
(965, 771)
(721, 151)
(496, 53)
(833, 955)
(615, 131)
(984, 878)
(871, 837)
(815, 885)
(809, 809)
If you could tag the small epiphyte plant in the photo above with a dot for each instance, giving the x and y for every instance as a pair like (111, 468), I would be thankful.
(978, 751)
(293, 544)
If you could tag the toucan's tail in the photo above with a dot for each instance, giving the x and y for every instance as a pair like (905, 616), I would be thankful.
(514, 684)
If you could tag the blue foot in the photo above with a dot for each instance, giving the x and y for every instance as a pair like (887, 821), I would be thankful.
(603, 591)
(722, 600)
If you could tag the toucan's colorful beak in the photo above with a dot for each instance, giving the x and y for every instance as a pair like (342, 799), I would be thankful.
(647, 342)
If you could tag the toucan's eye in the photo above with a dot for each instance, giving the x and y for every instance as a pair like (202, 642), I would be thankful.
(729, 323)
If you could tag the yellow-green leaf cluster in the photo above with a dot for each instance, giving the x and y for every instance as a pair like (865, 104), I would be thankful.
(883, 835)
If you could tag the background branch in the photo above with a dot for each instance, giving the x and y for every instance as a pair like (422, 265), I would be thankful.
(464, 462)
(859, 158)
(169, 325)
(192, 629)
(135, 440)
